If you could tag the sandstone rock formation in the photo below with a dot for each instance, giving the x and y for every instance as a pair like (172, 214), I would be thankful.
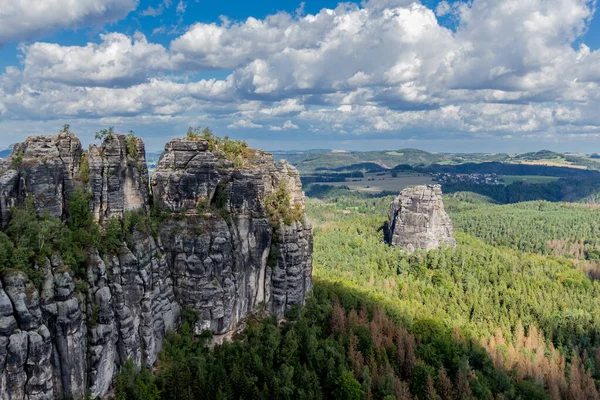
(43, 167)
(221, 265)
(418, 220)
(216, 251)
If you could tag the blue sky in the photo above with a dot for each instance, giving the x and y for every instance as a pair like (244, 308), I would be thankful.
(485, 75)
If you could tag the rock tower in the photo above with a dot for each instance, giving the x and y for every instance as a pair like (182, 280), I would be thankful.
(418, 220)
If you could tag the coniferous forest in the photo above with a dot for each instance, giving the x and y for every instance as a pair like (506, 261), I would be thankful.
(511, 313)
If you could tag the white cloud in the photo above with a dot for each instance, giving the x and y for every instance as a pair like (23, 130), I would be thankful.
(386, 67)
(287, 125)
(118, 60)
(181, 6)
(156, 11)
(27, 19)
(152, 12)
(156, 97)
(160, 30)
(285, 107)
(443, 8)
(243, 123)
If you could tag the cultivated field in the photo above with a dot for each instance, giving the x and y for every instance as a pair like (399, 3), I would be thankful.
(374, 184)
(553, 163)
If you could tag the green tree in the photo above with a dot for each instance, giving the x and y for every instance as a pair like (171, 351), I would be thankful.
(104, 134)
(348, 387)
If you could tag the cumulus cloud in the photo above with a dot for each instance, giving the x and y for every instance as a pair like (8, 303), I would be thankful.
(283, 108)
(386, 67)
(49, 100)
(244, 123)
(287, 125)
(27, 19)
(117, 61)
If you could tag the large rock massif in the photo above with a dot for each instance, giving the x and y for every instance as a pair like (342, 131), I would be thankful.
(215, 252)
(418, 220)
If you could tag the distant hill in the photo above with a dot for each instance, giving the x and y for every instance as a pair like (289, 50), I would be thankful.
(362, 167)
(312, 161)
(540, 155)
(315, 161)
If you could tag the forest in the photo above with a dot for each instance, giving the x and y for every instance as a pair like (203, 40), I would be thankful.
(511, 313)
(573, 189)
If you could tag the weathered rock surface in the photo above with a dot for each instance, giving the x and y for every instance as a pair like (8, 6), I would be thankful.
(43, 167)
(220, 254)
(118, 177)
(418, 220)
(69, 336)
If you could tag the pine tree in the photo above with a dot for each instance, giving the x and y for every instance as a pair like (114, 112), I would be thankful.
(338, 319)
(463, 385)
(430, 393)
(444, 386)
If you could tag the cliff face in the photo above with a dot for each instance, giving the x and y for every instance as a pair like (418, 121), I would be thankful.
(118, 177)
(220, 251)
(215, 251)
(42, 167)
(418, 220)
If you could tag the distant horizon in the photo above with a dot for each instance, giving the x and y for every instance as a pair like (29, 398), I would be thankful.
(530, 149)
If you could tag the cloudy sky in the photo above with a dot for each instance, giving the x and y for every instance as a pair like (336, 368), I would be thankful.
(483, 75)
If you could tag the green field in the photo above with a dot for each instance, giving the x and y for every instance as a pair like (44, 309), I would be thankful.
(509, 179)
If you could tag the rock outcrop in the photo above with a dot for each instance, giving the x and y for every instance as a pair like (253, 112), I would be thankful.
(42, 167)
(117, 177)
(418, 220)
(220, 258)
(215, 251)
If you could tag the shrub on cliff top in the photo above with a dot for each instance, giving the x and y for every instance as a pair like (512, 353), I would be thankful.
(235, 150)
(104, 133)
(66, 128)
(132, 149)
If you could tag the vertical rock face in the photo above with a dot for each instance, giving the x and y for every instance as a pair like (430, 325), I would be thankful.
(118, 177)
(43, 167)
(225, 256)
(418, 220)
(215, 251)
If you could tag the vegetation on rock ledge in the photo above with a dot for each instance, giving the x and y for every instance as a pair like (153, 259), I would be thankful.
(280, 208)
(234, 150)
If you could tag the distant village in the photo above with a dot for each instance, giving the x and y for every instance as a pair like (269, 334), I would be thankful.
(480, 179)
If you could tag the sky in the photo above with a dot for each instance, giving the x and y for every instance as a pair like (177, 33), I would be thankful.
(457, 76)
